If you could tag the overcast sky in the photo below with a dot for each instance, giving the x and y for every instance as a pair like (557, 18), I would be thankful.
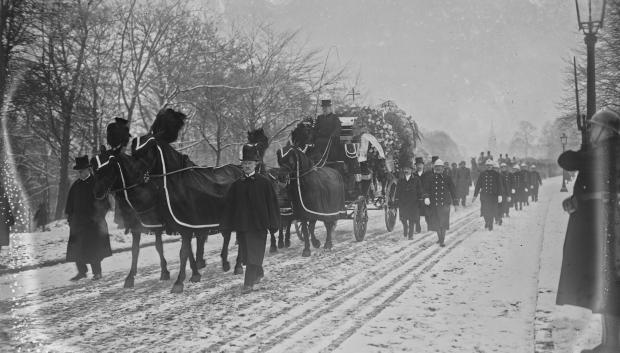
(455, 65)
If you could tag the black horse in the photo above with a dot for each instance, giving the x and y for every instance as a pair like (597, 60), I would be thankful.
(316, 193)
(280, 180)
(121, 174)
(191, 197)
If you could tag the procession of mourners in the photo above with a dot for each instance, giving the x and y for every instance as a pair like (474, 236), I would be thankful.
(331, 168)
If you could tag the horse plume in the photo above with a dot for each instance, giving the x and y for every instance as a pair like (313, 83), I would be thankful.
(167, 125)
(301, 135)
(259, 138)
(117, 133)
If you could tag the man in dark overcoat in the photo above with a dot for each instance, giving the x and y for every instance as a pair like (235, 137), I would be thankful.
(490, 188)
(427, 177)
(462, 184)
(89, 241)
(251, 210)
(535, 182)
(408, 197)
(507, 196)
(439, 193)
(518, 187)
(420, 173)
(524, 191)
(590, 273)
(6, 216)
(327, 128)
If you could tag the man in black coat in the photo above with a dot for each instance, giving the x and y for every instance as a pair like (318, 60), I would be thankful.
(535, 182)
(490, 188)
(439, 194)
(89, 241)
(518, 187)
(327, 128)
(408, 196)
(507, 196)
(462, 183)
(6, 217)
(590, 272)
(419, 172)
(251, 210)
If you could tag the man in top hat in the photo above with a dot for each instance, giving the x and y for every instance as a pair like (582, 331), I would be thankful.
(490, 188)
(327, 128)
(408, 196)
(462, 184)
(89, 241)
(251, 209)
(535, 182)
(439, 194)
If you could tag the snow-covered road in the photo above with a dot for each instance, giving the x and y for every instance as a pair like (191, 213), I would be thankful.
(478, 294)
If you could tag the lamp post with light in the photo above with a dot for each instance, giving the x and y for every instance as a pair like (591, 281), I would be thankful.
(594, 12)
(563, 139)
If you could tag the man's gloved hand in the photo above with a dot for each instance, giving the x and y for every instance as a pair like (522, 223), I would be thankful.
(499, 198)
(514, 191)
(427, 201)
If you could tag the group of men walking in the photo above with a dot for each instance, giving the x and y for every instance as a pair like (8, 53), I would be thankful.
(430, 190)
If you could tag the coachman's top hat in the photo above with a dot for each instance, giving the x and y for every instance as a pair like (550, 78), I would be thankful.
(81, 163)
(326, 102)
(250, 152)
(419, 160)
(434, 158)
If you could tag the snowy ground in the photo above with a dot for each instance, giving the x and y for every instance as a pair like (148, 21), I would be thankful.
(484, 292)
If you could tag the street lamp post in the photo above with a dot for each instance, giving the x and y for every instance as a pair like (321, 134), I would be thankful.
(594, 12)
(563, 139)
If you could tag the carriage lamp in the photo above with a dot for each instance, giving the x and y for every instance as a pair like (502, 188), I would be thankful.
(590, 15)
(563, 140)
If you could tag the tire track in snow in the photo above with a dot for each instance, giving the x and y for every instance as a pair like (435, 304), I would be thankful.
(360, 293)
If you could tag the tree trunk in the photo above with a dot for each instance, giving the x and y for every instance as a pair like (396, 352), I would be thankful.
(63, 184)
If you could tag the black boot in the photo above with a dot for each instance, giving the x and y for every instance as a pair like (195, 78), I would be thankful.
(405, 228)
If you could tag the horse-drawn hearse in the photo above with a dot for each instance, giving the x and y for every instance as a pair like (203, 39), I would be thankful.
(346, 188)
(166, 191)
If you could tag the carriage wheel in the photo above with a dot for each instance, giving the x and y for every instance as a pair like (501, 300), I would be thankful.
(360, 219)
(389, 208)
(390, 217)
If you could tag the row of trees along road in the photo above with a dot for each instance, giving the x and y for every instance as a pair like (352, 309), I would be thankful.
(68, 67)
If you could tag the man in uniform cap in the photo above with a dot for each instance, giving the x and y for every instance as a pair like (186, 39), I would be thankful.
(525, 195)
(89, 241)
(518, 187)
(420, 173)
(506, 177)
(439, 194)
(490, 188)
(535, 182)
(408, 196)
(251, 210)
(327, 128)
